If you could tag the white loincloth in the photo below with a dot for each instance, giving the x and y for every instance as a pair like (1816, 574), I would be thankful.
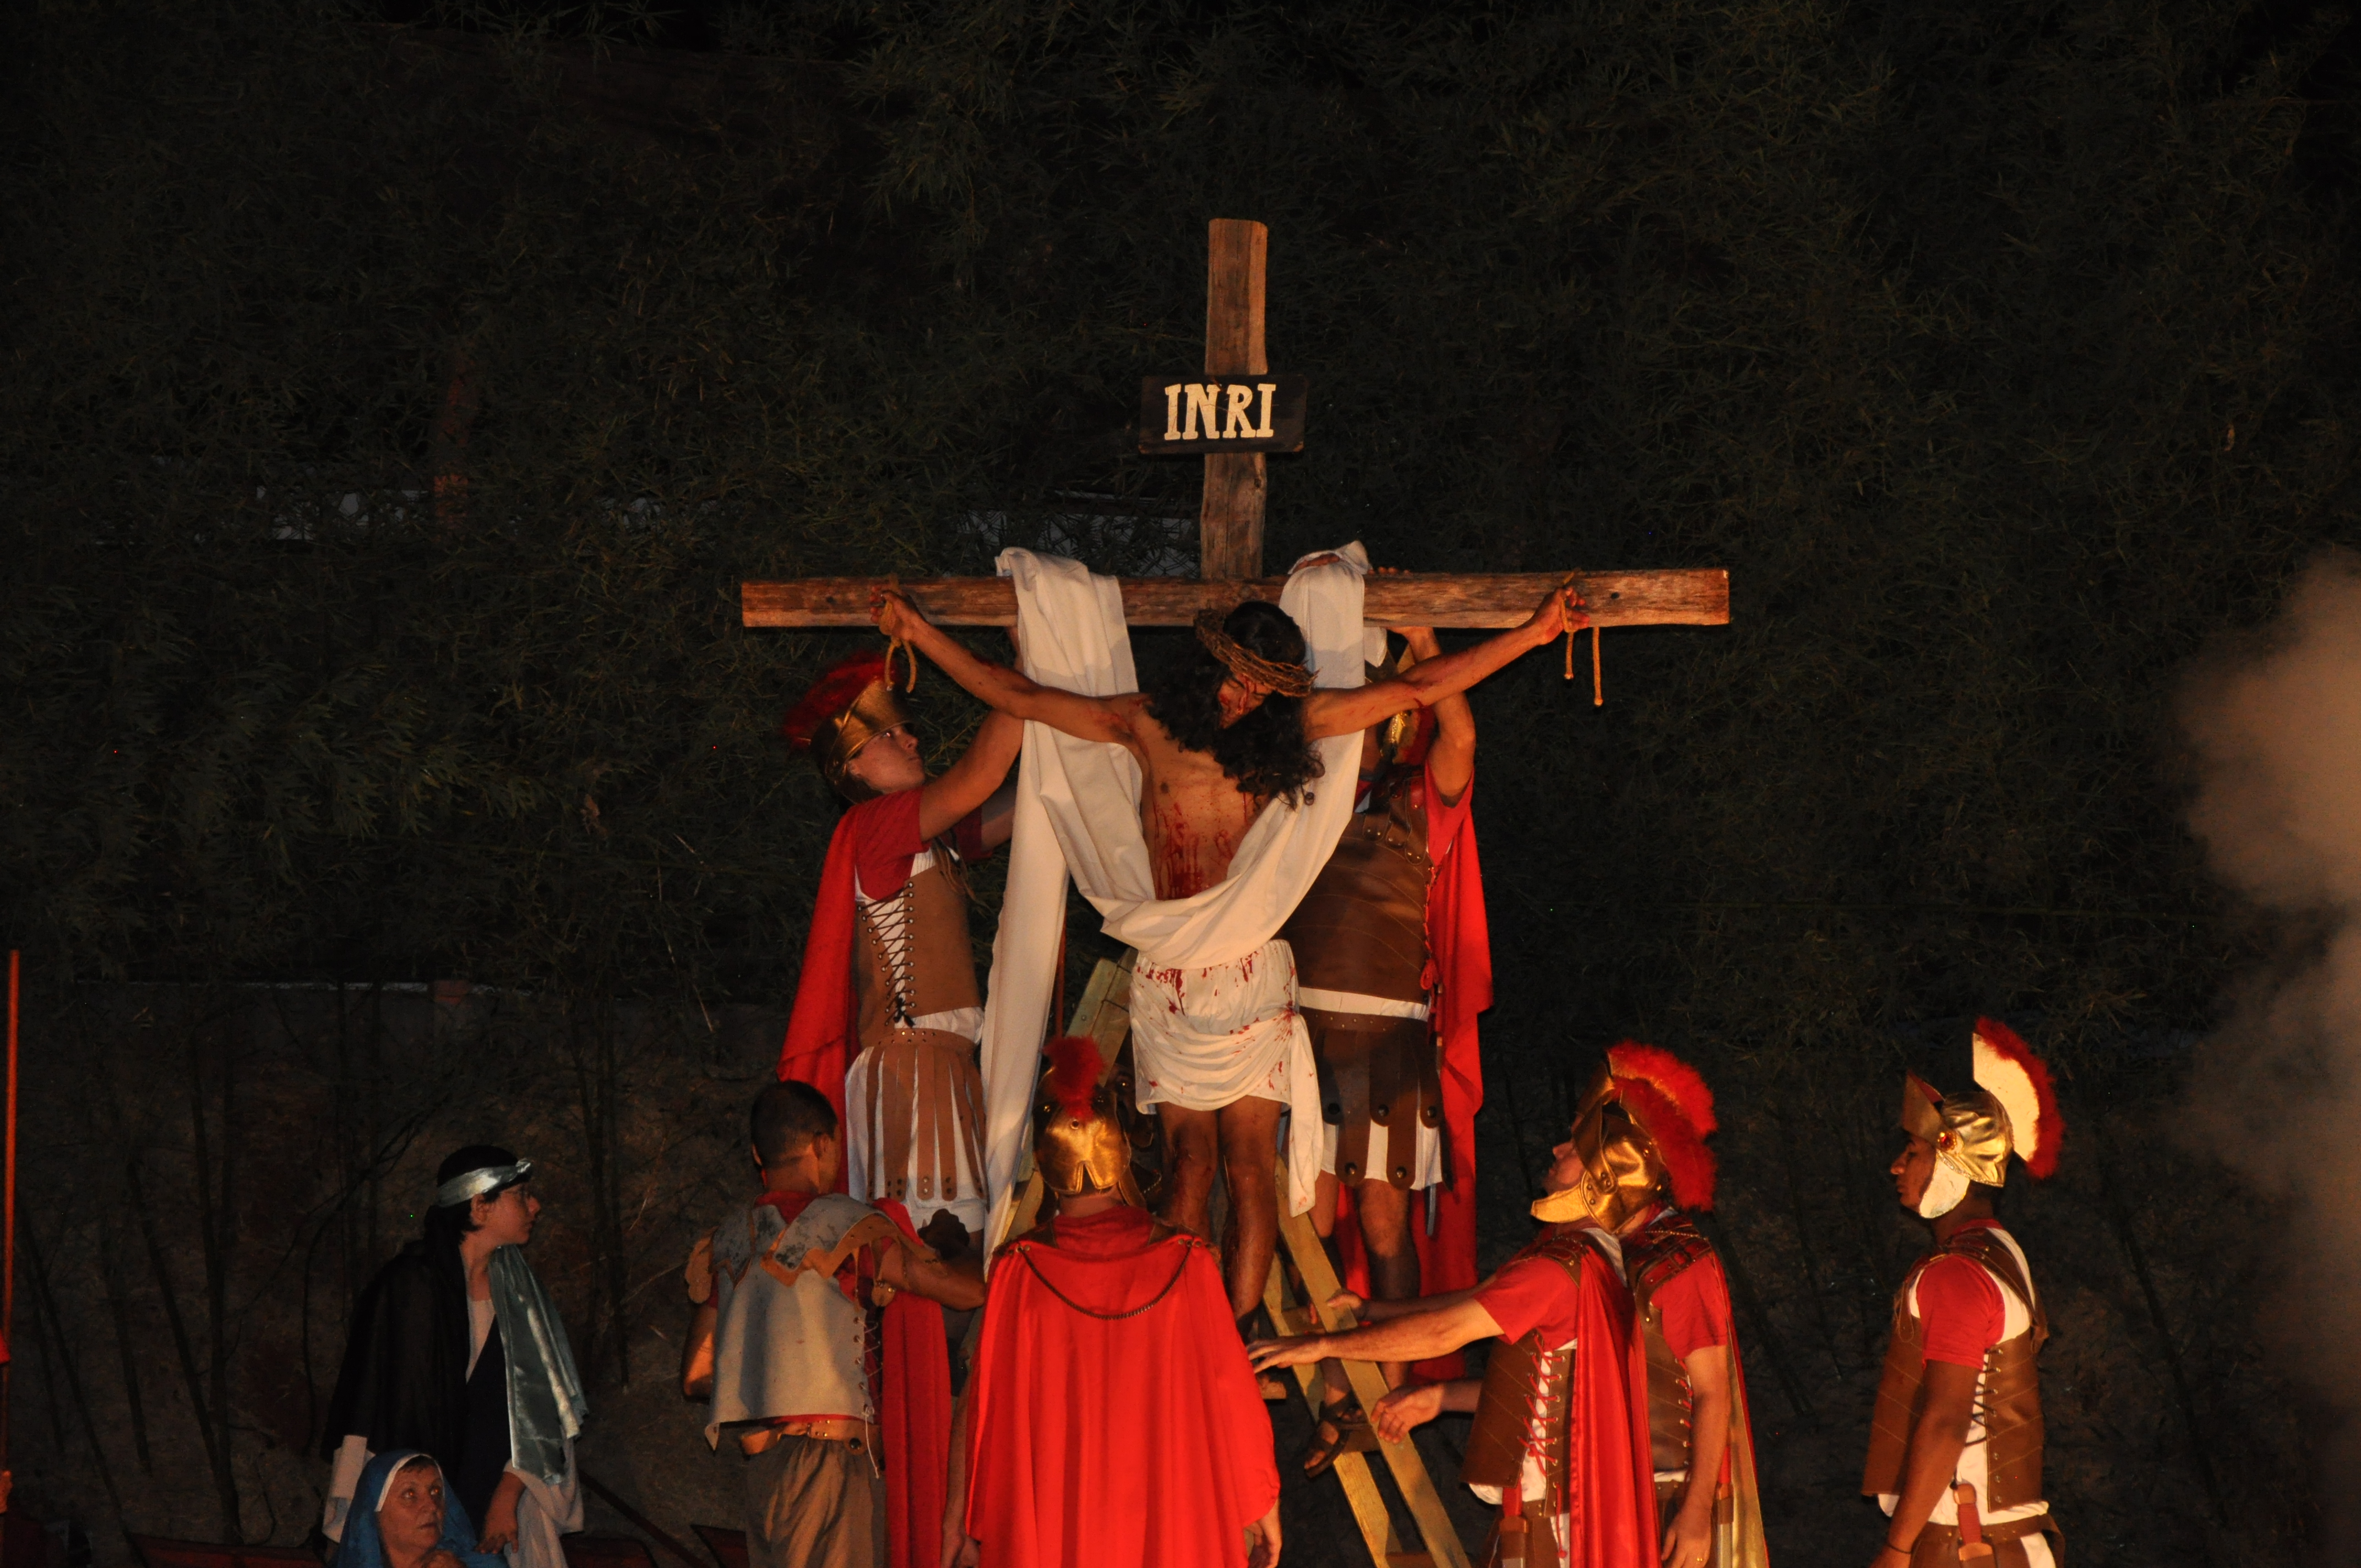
(1202, 1038)
(1078, 809)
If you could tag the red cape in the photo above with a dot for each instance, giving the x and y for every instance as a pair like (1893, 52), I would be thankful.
(1610, 1464)
(880, 838)
(1107, 1441)
(914, 1408)
(1459, 944)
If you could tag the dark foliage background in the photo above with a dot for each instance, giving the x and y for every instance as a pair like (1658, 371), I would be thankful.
(392, 407)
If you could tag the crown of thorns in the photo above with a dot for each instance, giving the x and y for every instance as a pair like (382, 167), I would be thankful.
(1285, 680)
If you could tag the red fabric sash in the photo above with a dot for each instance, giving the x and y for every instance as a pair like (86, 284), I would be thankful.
(1459, 945)
(879, 838)
(914, 1409)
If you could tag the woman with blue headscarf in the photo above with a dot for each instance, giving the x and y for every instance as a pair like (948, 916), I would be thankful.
(404, 1518)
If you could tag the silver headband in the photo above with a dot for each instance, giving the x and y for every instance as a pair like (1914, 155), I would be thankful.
(487, 1178)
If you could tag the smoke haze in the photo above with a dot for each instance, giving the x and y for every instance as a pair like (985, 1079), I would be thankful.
(2277, 732)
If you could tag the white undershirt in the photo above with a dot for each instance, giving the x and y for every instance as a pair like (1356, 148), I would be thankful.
(479, 1329)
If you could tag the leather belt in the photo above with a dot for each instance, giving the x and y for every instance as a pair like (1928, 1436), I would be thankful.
(827, 1428)
(2042, 1523)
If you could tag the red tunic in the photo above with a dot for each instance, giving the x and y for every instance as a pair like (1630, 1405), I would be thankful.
(1112, 1441)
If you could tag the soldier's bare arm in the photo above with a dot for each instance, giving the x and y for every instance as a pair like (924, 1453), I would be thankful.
(969, 782)
(998, 686)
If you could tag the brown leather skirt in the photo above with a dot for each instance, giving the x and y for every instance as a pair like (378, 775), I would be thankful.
(1376, 1071)
(924, 1097)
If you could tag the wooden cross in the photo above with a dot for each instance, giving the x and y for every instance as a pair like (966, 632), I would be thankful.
(1252, 409)
(1229, 530)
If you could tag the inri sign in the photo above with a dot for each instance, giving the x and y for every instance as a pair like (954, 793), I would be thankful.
(1252, 413)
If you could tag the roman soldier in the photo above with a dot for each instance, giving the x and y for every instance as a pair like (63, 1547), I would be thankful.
(888, 963)
(1955, 1447)
(1393, 964)
(1112, 1421)
(1561, 1439)
(1641, 1132)
(817, 1341)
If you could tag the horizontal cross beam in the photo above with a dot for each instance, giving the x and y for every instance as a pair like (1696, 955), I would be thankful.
(1401, 598)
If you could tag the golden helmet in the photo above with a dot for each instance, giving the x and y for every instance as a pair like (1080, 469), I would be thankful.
(1403, 740)
(847, 708)
(1079, 1144)
(1641, 1133)
(2011, 1109)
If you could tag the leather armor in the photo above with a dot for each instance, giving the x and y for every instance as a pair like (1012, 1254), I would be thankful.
(788, 1339)
(912, 958)
(1523, 1411)
(2008, 1393)
(1652, 1259)
(1362, 929)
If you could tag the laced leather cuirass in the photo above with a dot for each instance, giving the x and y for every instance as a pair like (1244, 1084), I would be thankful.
(1523, 1411)
(913, 959)
(2009, 1395)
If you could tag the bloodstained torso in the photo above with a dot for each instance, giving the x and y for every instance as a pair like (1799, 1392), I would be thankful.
(1193, 815)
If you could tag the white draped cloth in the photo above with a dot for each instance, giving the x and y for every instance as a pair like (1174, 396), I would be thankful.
(1212, 1001)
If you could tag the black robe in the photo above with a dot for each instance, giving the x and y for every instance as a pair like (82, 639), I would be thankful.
(405, 1382)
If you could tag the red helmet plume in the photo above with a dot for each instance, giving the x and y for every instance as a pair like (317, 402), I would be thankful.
(1675, 1108)
(1073, 1077)
(831, 695)
(2007, 1067)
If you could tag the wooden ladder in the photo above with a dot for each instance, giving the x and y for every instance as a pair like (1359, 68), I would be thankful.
(1104, 1015)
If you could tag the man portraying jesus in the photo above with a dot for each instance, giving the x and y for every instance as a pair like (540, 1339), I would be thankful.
(1219, 736)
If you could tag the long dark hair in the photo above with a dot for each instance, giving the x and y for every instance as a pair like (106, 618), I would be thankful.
(1265, 753)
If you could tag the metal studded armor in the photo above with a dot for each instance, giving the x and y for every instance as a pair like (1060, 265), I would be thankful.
(1361, 930)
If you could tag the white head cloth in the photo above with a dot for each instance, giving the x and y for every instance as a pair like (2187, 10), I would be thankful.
(483, 1179)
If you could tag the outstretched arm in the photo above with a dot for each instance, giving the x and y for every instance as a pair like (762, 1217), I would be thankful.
(968, 782)
(1336, 711)
(1452, 758)
(1418, 1336)
(997, 687)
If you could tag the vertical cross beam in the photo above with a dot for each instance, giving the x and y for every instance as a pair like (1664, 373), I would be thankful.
(1229, 522)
